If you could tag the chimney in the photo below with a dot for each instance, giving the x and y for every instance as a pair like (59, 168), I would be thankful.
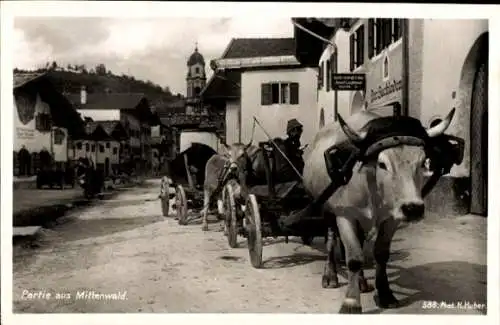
(83, 96)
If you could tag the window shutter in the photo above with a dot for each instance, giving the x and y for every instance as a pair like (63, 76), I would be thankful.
(397, 30)
(38, 122)
(388, 32)
(361, 45)
(266, 94)
(371, 40)
(294, 93)
(333, 66)
(379, 27)
(321, 75)
(328, 75)
(351, 51)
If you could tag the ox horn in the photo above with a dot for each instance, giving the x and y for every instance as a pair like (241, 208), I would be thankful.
(351, 134)
(442, 126)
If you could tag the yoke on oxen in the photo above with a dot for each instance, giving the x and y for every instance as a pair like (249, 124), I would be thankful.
(378, 134)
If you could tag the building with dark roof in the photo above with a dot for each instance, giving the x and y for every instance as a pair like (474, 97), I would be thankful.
(103, 143)
(132, 110)
(43, 119)
(272, 79)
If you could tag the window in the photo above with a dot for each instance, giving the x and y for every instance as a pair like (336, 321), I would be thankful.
(93, 148)
(357, 47)
(328, 76)
(385, 68)
(101, 148)
(79, 145)
(333, 67)
(87, 147)
(280, 93)
(43, 122)
(321, 75)
(285, 93)
(108, 145)
(115, 150)
(381, 34)
(197, 70)
(59, 136)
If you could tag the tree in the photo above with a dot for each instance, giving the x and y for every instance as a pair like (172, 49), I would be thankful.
(54, 65)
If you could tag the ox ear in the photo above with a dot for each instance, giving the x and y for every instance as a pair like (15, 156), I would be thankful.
(225, 149)
(351, 134)
(442, 126)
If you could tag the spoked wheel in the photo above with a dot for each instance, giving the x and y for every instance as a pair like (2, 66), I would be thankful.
(254, 231)
(181, 205)
(230, 216)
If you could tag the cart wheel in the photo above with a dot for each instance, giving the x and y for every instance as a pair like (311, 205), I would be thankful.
(307, 240)
(230, 216)
(165, 205)
(254, 237)
(165, 198)
(181, 205)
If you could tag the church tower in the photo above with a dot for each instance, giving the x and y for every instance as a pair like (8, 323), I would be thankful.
(196, 77)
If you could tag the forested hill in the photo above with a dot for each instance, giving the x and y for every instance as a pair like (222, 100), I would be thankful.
(100, 80)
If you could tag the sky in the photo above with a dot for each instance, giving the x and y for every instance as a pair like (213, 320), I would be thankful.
(153, 49)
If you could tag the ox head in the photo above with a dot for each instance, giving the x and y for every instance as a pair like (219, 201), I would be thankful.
(399, 172)
(236, 155)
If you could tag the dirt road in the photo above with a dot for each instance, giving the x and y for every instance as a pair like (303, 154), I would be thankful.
(124, 246)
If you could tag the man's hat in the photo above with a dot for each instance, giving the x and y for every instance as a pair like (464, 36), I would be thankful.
(292, 124)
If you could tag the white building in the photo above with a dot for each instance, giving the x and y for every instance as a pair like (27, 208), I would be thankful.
(447, 64)
(131, 109)
(103, 144)
(43, 119)
(263, 78)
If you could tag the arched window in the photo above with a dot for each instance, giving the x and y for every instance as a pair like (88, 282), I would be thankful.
(385, 67)
(321, 118)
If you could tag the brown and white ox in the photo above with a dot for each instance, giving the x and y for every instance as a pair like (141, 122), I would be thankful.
(218, 168)
(381, 194)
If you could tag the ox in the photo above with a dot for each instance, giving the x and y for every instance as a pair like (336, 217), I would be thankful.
(218, 170)
(383, 191)
(246, 164)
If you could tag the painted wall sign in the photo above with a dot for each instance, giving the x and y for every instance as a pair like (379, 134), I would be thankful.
(23, 133)
(388, 88)
(349, 81)
(25, 105)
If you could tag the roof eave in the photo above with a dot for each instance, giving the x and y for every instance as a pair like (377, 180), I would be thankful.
(270, 61)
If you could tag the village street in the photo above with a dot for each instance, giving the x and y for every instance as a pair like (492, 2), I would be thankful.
(125, 246)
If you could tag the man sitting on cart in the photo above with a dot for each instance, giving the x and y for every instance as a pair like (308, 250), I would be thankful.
(292, 144)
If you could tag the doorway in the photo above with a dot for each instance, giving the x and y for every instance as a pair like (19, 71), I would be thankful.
(479, 142)
(106, 166)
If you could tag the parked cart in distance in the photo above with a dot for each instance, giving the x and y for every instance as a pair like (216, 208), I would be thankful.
(184, 181)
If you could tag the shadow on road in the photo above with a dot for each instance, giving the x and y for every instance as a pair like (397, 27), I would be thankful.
(441, 282)
(279, 262)
(91, 228)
